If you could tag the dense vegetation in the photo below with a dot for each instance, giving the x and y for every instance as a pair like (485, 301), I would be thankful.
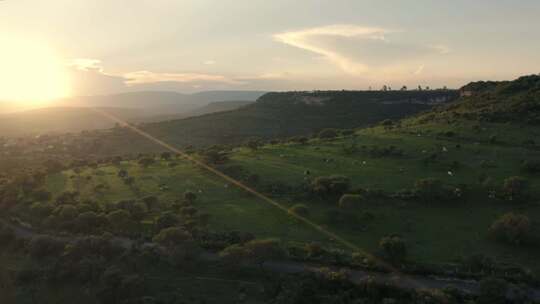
(451, 192)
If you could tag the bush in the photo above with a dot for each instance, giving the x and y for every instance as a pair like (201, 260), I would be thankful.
(173, 236)
(334, 185)
(394, 248)
(431, 189)
(45, 246)
(300, 209)
(328, 133)
(531, 167)
(351, 201)
(492, 291)
(515, 188)
(511, 228)
(166, 220)
(146, 161)
(339, 217)
(214, 156)
(347, 132)
(256, 251)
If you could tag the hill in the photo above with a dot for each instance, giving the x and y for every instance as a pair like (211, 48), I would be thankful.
(161, 102)
(283, 115)
(60, 120)
(490, 101)
(213, 107)
(73, 114)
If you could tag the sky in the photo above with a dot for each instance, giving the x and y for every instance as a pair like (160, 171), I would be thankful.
(59, 48)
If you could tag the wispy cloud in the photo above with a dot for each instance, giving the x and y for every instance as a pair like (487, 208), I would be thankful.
(145, 77)
(419, 70)
(86, 64)
(364, 51)
(441, 48)
(304, 39)
(209, 62)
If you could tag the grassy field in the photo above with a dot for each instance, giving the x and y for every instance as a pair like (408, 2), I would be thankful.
(436, 232)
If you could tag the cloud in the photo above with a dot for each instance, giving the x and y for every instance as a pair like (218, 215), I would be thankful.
(307, 40)
(441, 48)
(86, 64)
(209, 62)
(419, 70)
(362, 51)
(89, 77)
(145, 77)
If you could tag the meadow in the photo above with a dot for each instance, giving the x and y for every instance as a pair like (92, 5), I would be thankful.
(436, 232)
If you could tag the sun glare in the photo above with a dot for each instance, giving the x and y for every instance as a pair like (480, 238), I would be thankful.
(31, 73)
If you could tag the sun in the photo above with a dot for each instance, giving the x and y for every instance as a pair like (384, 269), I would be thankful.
(31, 73)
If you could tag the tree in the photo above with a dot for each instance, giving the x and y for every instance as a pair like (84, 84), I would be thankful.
(300, 209)
(492, 291)
(41, 210)
(334, 185)
(44, 246)
(511, 228)
(66, 212)
(122, 173)
(166, 220)
(351, 201)
(146, 161)
(90, 221)
(138, 210)
(254, 144)
(394, 248)
(515, 188)
(152, 202)
(120, 220)
(190, 197)
(214, 156)
(166, 155)
(328, 133)
(172, 236)
(255, 251)
(432, 189)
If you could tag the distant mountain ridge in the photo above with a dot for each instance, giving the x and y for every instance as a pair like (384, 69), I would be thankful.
(278, 115)
(74, 115)
(162, 102)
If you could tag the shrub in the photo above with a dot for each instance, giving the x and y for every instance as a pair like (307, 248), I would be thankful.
(511, 227)
(172, 236)
(214, 156)
(431, 189)
(339, 217)
(146, 161)
(190, 197)
(328, 133)
(492, 291)
(531, 167)
(334, 185)
(166, 220)
(45, 246)
(394, 248)
(515, 188)
(254, 144)
(351, 201)
(257, 251)
(41, 209)
(347, 132)
(300, 209)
